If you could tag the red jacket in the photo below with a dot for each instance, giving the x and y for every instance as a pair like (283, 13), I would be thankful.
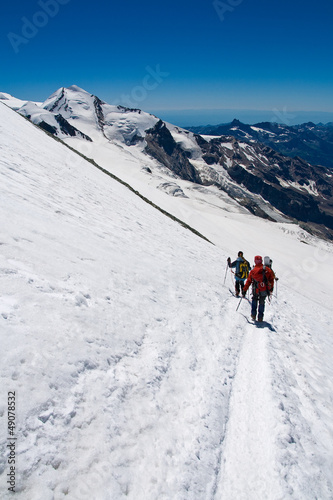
(257, 276)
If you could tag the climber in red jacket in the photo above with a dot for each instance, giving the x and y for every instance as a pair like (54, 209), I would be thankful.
(262, 280)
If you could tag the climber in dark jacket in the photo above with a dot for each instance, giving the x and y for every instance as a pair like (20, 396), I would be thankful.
(241, 272)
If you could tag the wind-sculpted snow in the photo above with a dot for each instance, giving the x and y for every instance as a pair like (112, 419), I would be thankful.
(134, 375)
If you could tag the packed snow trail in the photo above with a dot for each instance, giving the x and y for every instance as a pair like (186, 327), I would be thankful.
(278, 433)
(135, 378)
(249, 450)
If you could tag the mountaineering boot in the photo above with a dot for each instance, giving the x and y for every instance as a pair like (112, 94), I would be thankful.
(253, 316)
(260, 318)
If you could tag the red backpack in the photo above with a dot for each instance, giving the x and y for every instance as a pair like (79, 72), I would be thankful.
(260, 281)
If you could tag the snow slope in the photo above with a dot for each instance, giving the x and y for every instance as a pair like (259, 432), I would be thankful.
(13, 102)
(134, 376)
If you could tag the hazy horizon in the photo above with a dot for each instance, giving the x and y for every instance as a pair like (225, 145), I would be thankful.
(201, 117)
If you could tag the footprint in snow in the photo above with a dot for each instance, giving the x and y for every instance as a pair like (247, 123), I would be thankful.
(82, 299)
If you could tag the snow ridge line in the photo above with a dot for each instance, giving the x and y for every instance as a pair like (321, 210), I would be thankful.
(128, 186)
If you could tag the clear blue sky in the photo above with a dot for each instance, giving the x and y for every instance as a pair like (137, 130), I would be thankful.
(175, 55)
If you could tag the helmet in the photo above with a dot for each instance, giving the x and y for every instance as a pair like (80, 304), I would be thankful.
(240, 253)
(258, 260)
(267, 261)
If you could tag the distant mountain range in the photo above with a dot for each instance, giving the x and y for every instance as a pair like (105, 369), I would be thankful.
(313, 143)
(243, 161)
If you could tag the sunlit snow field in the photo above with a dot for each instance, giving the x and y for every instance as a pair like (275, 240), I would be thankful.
(134, 375)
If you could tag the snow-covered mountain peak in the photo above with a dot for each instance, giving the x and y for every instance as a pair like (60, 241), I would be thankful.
(70, 101)
(111, 121)
(76, 88)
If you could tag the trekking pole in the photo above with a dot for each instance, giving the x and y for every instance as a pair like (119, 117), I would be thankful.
(239, 303)
(225, 276)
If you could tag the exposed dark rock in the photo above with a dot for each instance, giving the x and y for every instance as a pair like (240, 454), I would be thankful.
(201, 141)
(46, 126)
(289, 201)
(68, 129)
(254, 209)
(99, 112)
(210, 159)
(276, 178)
(57, 101)
(162, 146)
(128, 110)
(313, 143)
